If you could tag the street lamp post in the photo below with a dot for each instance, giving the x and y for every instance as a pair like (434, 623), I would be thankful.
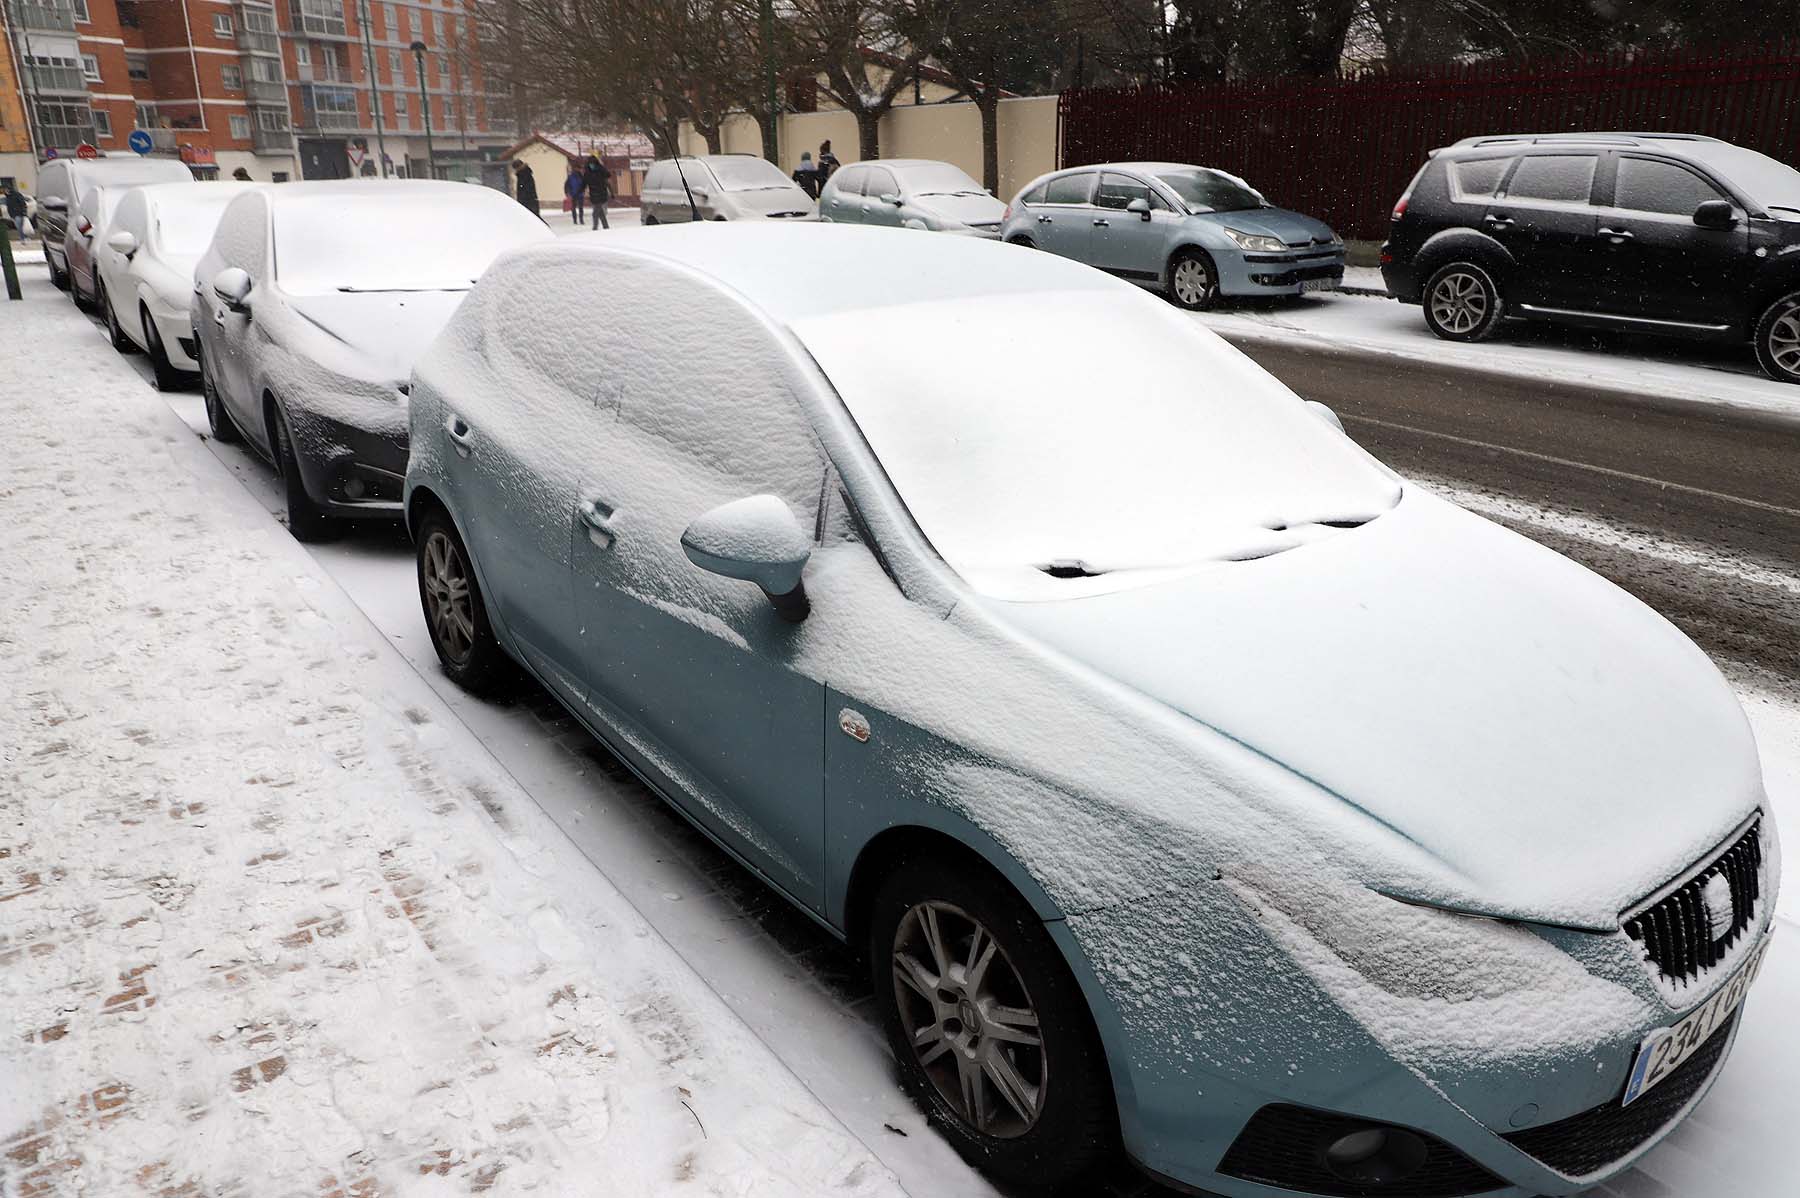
(418, 49)
(362, 21)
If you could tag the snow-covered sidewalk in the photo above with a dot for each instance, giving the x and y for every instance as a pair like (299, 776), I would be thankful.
(1371, 324)
(271, 921)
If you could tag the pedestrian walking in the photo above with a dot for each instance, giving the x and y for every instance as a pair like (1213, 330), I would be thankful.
(573, 189)
(15, 211)
(828, 162)
(598, 181)
(525, 188)
(807, 175)
(242, 175)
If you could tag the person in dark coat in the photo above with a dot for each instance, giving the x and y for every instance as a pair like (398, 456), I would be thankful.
(15, 212)
(574, 188)
(598, 181)
(828, 162)
(241, 175)
(807, 175)
(525, 188)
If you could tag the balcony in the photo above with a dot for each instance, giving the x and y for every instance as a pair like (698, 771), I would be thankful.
(256, 29)
(271, 141)
(65, 137)
(50, 18)
(323, 72)
(62, 80)
(263, 91)
(319, 18)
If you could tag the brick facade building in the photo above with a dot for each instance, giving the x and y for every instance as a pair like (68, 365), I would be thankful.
(295, 89)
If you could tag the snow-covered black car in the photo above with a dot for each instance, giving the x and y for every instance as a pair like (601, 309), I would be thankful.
(1659, 233)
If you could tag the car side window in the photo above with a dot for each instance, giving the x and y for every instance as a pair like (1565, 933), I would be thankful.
(1477, 178)
(658, 176)
(130, 215)
(1035, 195)
(1557, 178)
(1651, 185)
(1117, 191)
(1070, 189)
(242, 234)
(880, 183)
(53, 182)
(850, 180)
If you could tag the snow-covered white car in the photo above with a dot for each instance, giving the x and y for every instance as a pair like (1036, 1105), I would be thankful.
(308, 309)
(144, 260)
(1186, 776)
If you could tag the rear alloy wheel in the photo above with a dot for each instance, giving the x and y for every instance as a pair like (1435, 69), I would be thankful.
(224, 429)
(167, 377)
(114, 331)
(1023, 243)
(305, 521)
(1778, 339)
(1192, 283)
(455, 615)
(648, 219)
(987, 1026)
(1462, 303)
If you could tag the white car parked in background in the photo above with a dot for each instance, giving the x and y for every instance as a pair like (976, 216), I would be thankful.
(722, 187)
(911, 193)
(144, 262)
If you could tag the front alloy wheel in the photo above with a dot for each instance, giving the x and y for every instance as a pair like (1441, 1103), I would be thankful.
(1191, 281)
(1462, 303)
(455, 616)
(1778, 339)
(969, 1019)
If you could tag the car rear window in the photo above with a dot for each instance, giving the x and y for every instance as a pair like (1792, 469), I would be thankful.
(1563, 178)
(1069, 189)
(1646, 185)
(1035, 195)
(1477, 178)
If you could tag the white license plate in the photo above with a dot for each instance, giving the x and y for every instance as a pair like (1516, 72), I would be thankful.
(1318, 284)
(1663, 1050)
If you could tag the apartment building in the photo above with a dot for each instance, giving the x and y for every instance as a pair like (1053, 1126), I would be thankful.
(299, 89)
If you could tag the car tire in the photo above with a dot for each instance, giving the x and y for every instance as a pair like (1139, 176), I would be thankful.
(224, 429)
(939, 1014)
(1023, 243)
(305, 521)
(1462, 302)
(1777, 339)
(115, 332)
(455, 613)
(647, 220)
(59, 279)
(1193, 280)
(167, 377)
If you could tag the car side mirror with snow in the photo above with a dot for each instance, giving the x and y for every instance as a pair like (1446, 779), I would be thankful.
(122, 242)
(755, 539)
(1715, 214)
(890, 198)
(232, 286)
(1326, 414)
(1141, 207)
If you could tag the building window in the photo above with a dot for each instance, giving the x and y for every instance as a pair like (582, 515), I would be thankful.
(271, 120)
(303, 54)
(393, 20)
(222, 24)
(396, 68)
(399, 104)
(81, 12)
(265, 70)
(90, 68)
(102, 123)
(240, 126)
(137, 64)
(232, 77)
(146, 116)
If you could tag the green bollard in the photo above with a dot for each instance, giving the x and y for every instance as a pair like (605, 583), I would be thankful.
(7, 266)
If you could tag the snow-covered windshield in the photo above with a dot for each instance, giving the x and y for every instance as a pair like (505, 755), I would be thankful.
(939, 179)
(746, 173)
(1763, 179)
(184, 228)
(1091, 431)
(387, 242)
(1211, 191)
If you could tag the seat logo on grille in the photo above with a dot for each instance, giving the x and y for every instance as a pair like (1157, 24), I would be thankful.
(1715, 895)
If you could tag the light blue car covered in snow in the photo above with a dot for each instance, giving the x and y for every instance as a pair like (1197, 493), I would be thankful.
(1190, 231)
(1188, 780)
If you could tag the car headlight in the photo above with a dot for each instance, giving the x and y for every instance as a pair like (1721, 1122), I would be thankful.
(1255, 241)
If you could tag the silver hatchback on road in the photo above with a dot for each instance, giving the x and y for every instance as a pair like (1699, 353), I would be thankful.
(911, 193)
(1190, 231)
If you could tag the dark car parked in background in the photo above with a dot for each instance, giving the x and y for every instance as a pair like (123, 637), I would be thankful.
(1646, 232)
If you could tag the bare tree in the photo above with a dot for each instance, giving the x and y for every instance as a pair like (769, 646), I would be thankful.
(835, 37)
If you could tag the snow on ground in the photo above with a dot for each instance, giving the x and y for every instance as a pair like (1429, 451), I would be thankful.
(1723, 374)
(271, 921)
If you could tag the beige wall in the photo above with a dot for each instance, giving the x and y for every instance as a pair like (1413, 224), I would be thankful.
(949, 132)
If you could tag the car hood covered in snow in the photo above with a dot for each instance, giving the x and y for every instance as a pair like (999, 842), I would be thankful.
(1293, 228)
(972, 209)
(1556, 745)
(389, 328)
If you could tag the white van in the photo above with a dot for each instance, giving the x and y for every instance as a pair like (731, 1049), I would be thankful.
(62, 184)
(723, 187)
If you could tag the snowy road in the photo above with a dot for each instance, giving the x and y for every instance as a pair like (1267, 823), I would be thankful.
(789, 983)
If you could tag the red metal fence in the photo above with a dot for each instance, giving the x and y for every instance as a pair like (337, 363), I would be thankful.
(1343, 149)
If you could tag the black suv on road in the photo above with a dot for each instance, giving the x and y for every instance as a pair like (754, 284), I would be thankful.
(1648, 232)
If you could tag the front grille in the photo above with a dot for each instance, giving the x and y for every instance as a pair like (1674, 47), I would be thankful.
(1594, 1139)
(1285, 1146)
(1676, 933)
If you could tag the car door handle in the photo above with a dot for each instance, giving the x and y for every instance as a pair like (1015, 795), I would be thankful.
(1499, 222)
(597, 515)
(1046, 220)
(460, 434)
(1617, 235)
(1102, 222)
(219, 317)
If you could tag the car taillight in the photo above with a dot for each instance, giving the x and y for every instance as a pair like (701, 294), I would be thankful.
(1387, 259)
(85, 227)
(1007, 215)
(1400, 208)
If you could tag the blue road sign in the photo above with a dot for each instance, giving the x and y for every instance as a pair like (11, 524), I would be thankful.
(139, 141)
